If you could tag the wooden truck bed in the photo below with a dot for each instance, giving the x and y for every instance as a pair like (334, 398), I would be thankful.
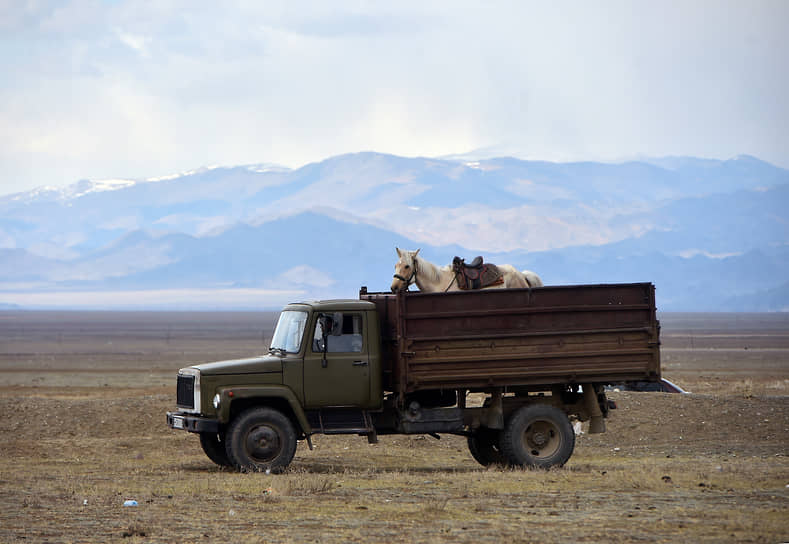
(518, 337)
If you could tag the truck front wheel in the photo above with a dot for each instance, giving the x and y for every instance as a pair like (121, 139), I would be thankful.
(538, 435)
(261, 439)
(484, 447)
(214, 447)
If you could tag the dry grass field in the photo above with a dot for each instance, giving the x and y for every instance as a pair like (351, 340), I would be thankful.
(83, 398)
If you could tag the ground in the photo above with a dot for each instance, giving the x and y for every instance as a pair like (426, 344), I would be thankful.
(84, 397)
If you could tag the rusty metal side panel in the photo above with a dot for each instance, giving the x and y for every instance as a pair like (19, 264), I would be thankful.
(387, 309)
(509, 337)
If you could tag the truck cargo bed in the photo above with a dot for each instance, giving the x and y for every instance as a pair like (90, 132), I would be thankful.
(518, 337)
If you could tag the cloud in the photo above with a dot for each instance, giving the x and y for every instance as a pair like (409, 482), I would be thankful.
(184, 299)
(132, 89)
(136, 42)
(303, 276)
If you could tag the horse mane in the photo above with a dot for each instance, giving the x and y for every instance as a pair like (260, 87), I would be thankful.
(427, 268)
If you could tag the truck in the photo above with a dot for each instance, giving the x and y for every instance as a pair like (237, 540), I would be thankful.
(511, 370)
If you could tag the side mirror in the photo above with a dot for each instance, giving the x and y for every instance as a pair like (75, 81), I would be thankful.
(336, 326)
(326, 323)
(331, 325)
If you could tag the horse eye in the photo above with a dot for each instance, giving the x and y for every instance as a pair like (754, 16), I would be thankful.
(408, 266)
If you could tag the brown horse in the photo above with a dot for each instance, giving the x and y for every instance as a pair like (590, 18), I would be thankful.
(429, 278)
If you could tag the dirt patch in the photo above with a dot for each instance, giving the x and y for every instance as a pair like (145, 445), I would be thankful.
(707, 467)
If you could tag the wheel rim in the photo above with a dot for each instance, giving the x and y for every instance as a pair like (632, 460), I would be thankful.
(263, 443)
(542, 439)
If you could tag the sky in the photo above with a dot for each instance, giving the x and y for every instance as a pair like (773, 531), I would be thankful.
(114, 89)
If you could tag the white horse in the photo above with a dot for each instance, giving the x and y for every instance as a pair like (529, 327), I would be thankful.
(429, 278)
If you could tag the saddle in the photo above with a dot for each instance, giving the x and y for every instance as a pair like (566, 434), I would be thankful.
(477, 274)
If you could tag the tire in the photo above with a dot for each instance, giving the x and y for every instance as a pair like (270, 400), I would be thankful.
(484, 447)
(539, 435)
(214, 447)
(261, 439)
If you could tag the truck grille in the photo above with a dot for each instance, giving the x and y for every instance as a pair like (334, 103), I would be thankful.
(186, 391)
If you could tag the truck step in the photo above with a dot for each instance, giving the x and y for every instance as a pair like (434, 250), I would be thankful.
(341, 421)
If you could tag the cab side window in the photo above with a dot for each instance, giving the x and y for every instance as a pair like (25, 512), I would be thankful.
(350, 341)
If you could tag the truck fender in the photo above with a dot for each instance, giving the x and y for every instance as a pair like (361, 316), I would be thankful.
(230, 394)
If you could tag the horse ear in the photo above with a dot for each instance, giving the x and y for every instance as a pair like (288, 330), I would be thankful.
(416, 252)
(399, 253)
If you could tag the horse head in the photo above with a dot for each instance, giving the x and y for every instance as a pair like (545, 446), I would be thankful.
(405, 270)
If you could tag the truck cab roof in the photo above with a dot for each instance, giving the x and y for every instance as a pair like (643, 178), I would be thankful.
(336, 305)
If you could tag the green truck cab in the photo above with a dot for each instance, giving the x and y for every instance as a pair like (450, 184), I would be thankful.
(406, 363)
(324, 355)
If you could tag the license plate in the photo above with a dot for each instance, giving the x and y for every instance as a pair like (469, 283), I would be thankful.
(178, 422)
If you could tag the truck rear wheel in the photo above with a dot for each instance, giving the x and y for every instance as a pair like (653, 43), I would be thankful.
(214, 447)
(538, 435)
(484, 447)
(261, 439)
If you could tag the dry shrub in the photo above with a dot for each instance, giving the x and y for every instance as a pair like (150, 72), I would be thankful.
(746, 389)
(305, 485)
(434, 506)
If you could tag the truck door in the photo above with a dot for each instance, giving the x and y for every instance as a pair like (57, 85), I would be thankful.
(344, 378)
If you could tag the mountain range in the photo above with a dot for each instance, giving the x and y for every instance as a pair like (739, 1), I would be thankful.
(712, 235)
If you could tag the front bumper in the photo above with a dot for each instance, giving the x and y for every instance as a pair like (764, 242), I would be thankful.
(192, 423)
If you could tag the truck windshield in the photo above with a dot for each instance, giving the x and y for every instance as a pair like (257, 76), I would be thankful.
(289, 331)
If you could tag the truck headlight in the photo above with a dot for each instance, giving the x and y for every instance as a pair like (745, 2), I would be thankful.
(216, 401)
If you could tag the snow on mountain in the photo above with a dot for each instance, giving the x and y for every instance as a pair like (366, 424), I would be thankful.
(71, 192)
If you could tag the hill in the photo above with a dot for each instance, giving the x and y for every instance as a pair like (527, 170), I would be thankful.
(712, 235)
